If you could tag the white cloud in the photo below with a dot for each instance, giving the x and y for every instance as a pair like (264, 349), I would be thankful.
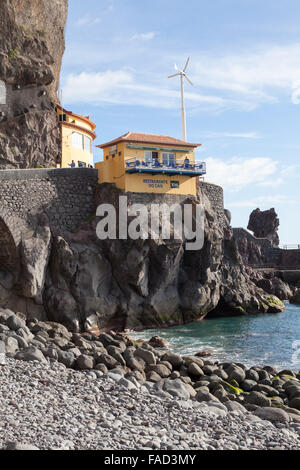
(241, 81)
(143, 36)
(121, 87)
(88, 20)
(263, 201)
(238, 135)
(236, 173)
(258, 75)
(296, 92)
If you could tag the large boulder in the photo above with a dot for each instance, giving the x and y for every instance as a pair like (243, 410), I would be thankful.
(264, 224)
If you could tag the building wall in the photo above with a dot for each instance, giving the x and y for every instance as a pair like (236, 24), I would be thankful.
(66, 195)
(70, 153)
(112, 170)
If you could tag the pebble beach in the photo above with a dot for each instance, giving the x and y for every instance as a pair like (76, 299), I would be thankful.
(68, 391)
(51, 407)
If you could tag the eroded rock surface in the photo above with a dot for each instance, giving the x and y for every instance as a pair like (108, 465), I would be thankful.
(31, 49)
(264, 224)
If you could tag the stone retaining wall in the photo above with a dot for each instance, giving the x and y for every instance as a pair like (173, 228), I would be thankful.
(215, 194)
(65, 195)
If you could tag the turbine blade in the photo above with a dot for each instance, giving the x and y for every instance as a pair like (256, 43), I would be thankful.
(175, 75)
(186, 65)
(188, 80)
(175, 66)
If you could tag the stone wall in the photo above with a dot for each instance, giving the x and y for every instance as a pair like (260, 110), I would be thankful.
(290, 258)
(65, 195)
(215, 195)
(258, 252)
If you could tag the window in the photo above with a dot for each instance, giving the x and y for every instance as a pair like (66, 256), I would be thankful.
(77, 140)
(169, 159)
(87, 144)
(150, 156)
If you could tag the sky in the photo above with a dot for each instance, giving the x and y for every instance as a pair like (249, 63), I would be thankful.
(243, 107)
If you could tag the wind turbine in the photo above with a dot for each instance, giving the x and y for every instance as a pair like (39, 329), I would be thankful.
(182, 75)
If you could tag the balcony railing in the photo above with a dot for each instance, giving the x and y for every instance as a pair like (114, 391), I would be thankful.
(184, 167)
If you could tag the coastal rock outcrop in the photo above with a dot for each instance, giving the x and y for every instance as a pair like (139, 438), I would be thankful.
(31, 49)
(264, 224)
(83, 282)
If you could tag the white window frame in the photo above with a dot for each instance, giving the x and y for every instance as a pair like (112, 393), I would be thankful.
(168, 157)
(87, 144)
(76, 138)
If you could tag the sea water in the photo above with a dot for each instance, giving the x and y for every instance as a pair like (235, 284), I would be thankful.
(265, 339)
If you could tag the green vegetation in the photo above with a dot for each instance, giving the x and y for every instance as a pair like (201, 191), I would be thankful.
(273, 301)
(12, 53)
(137, 343)
(240, 309)
(231, 388)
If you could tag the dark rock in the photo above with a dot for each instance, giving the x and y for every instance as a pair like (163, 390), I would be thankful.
(263, 375)
(295, 299)
(65, 357)
(203, 354)
(84, 362)
(31, 354)
(257, 398)
(147, 356)
(295, 403)
(264, 224)
(287, 372)
(205, 396)
(194, 370)
(107, 360)
(152, 376)
(173, 359)
(192, 359)
(269, 391)
(252, 374)
(160, 369)
(14, 323)
(235, 373)
(102, 368)
(234, 406)
(208, 370)
(274, 415)
(176, 388)
(33, 65)
(157, 342)
(248, 385)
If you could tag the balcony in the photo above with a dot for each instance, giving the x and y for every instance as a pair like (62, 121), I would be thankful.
(155, 166)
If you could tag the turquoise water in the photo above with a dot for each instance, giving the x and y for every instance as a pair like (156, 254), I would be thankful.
(252, 340)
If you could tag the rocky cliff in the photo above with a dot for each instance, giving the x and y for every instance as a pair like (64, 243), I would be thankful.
(31, 49)
(82, 282)
(264, 224)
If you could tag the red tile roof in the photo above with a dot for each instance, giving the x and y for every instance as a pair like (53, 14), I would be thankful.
(148, 139)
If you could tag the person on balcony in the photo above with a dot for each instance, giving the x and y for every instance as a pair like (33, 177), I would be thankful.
(186, 163)
(72, 165)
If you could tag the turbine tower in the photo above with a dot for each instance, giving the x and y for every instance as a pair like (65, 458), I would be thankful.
(182, 75)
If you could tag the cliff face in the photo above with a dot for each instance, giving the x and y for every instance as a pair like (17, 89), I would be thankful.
(80, 281)
(31, 49)
(264, 224)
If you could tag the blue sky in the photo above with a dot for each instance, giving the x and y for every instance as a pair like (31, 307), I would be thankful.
(244, 105)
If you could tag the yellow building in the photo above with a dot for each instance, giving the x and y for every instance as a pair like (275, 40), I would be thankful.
(146, 163)
(77, 136)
